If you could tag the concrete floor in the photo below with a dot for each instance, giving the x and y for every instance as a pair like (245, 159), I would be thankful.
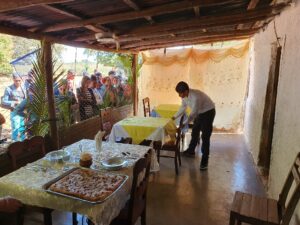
(195, 197)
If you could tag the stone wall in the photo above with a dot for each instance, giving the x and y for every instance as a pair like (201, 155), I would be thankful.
(286, 137)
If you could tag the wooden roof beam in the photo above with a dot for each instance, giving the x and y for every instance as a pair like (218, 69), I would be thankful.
(232, 18)
(134, 5)
(17, 4)
(191, 37)
(197, 11)
(252, 4)
(153, 11)
(26, 34)
(99, 29)
(194, 42)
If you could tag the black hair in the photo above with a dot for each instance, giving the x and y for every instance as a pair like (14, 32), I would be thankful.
(113, 73)
(182, 87)
(93, 78)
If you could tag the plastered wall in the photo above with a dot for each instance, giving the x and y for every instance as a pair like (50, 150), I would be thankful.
(286, 139)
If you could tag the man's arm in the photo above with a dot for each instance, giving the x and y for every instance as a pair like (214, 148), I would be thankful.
(6, 99)
(181, 110)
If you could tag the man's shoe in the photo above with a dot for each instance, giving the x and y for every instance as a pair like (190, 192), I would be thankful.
(203, 167)
(187, 153)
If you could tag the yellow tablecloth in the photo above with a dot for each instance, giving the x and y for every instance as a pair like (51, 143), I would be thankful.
(168, 110)
(140, 128)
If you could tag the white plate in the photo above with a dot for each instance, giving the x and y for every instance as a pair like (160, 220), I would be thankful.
(114, 163)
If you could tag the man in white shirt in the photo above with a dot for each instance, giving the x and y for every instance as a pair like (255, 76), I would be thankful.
(202, 113)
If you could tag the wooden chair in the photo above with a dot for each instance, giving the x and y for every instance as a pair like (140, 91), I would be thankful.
(136, 206)
(256, 210)
(26, 151)
(171, 147)
(22, 153)
(146, 105)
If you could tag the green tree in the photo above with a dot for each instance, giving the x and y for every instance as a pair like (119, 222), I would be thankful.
(104, 58)
(6, 46)
(23, 46)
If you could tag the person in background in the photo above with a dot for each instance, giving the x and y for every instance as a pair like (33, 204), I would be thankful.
(202, 113)
(100, 85)
(2, 121)
(86, 99)
(95, 87)
(119, 90)
(111, 75)
(64, 96)
(13, 96)
(110, 92)
(70, 80)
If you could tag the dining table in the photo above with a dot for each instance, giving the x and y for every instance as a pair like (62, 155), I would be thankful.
(27, 183)
(144, 128)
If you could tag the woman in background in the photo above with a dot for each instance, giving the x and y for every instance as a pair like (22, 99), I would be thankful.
(86, 99)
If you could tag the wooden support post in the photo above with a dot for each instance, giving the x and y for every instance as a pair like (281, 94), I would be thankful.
(135, 89)
(47, 58)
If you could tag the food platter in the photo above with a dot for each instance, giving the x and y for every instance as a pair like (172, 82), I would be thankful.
(46, 186)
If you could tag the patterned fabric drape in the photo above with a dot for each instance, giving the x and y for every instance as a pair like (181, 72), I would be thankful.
(222, 74)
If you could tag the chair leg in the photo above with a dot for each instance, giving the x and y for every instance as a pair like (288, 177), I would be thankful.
(143, 217)
(74, 219)
(176, 163)
(47, 216)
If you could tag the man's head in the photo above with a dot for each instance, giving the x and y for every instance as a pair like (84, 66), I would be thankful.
(17, 80)
(182, 88)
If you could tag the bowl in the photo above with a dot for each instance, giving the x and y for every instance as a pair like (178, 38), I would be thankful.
(59, 155)
(114, 163)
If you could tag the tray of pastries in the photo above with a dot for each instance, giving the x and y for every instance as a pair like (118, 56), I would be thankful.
(87, 185)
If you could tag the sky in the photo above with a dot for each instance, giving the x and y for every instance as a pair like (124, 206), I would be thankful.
(68, 55)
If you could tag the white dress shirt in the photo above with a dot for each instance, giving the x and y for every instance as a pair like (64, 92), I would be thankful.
(198, 101)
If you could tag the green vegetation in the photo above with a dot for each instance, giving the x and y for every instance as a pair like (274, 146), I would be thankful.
(6, 46)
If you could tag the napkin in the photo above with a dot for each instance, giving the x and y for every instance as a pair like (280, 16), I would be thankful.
(98, 139)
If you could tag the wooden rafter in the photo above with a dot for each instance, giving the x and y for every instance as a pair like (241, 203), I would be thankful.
(59, 40)
(135, 6)
(191, 36)
(252, 4)
(17, 4)
(153, 11)
(210, 21)
(197, 11)
(191, 42)
(99, 29)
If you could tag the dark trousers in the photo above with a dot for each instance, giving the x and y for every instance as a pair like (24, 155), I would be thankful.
(204, 123)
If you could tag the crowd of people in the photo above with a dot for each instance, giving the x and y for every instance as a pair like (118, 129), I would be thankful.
(84, 100)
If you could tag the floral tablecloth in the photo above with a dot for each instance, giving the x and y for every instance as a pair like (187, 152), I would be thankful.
(140, 128)
(26, 183)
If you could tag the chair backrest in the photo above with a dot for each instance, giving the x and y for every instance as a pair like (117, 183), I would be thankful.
(146, 105)
(137, 202)
(179, 132)
(106, 119)
(26, 151)
(291, 189)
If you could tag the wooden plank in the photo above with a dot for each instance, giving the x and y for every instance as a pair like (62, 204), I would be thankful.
(189, 36)
(228, 18)
(183, 43)
(237, 202)
(296, 175)
(134, 5)
(37, 36)
(272, 211)
(47, 58)
(246, 205)
(17, 4)
(252, 4)
(153, 11)
(263, 209)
